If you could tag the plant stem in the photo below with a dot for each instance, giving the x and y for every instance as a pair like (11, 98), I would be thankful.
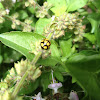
(17, 88)
(36, 58)
(49, 36)
(22, 23)
(41, 9)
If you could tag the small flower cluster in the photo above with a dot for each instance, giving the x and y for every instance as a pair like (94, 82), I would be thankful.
(35, 47)
(5, 95)
(15, 22)
(15, 74)
(11, 78)
(26, 25)
(8, 96)
(45, 53)
(43, 10)
(65, 22)
(6, 92)
(30, 3)
(23, 66)
(3, 87)
(2, 13)
(7, 3)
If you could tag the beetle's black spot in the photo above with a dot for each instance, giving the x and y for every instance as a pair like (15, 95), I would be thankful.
(44, 43)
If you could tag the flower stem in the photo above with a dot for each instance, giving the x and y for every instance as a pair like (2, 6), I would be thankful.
(17, 88)
(36, 58)
(49, 36)
(11, 19)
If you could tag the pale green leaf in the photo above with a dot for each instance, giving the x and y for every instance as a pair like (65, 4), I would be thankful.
(66, 48)
(59, 6)
(54, 49)
(73, 5)
(91, 37)
(41, 24)
(20, 41)
(1, 6)
(94, 24)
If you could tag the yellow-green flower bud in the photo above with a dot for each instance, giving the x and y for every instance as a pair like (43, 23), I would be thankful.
(1, 19)
(28, 21)
(13, 26)
(27, 4)
(6, 96)
(17, 22)
(45, 4)
(36, 74)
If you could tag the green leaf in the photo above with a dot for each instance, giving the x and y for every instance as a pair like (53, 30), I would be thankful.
(59, 6)
(1, 59)
(29, 87)
(21, 41)
(90, 37)
(73, 5)
(1, 6)
(45, 81)
(58, 75)
(47, 61)
(83, 67)
(6, 26)
(97, 34)
(73, 80)
(66, 48)
(88, 52)
(94, 24)
(96, 3)
(22, 14)
(94, 19)
(59, 68)
(31, 9)
(95, 16)
(41, 24)
(54, 49)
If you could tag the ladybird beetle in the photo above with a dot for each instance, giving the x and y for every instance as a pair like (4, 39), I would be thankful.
(45, 44)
